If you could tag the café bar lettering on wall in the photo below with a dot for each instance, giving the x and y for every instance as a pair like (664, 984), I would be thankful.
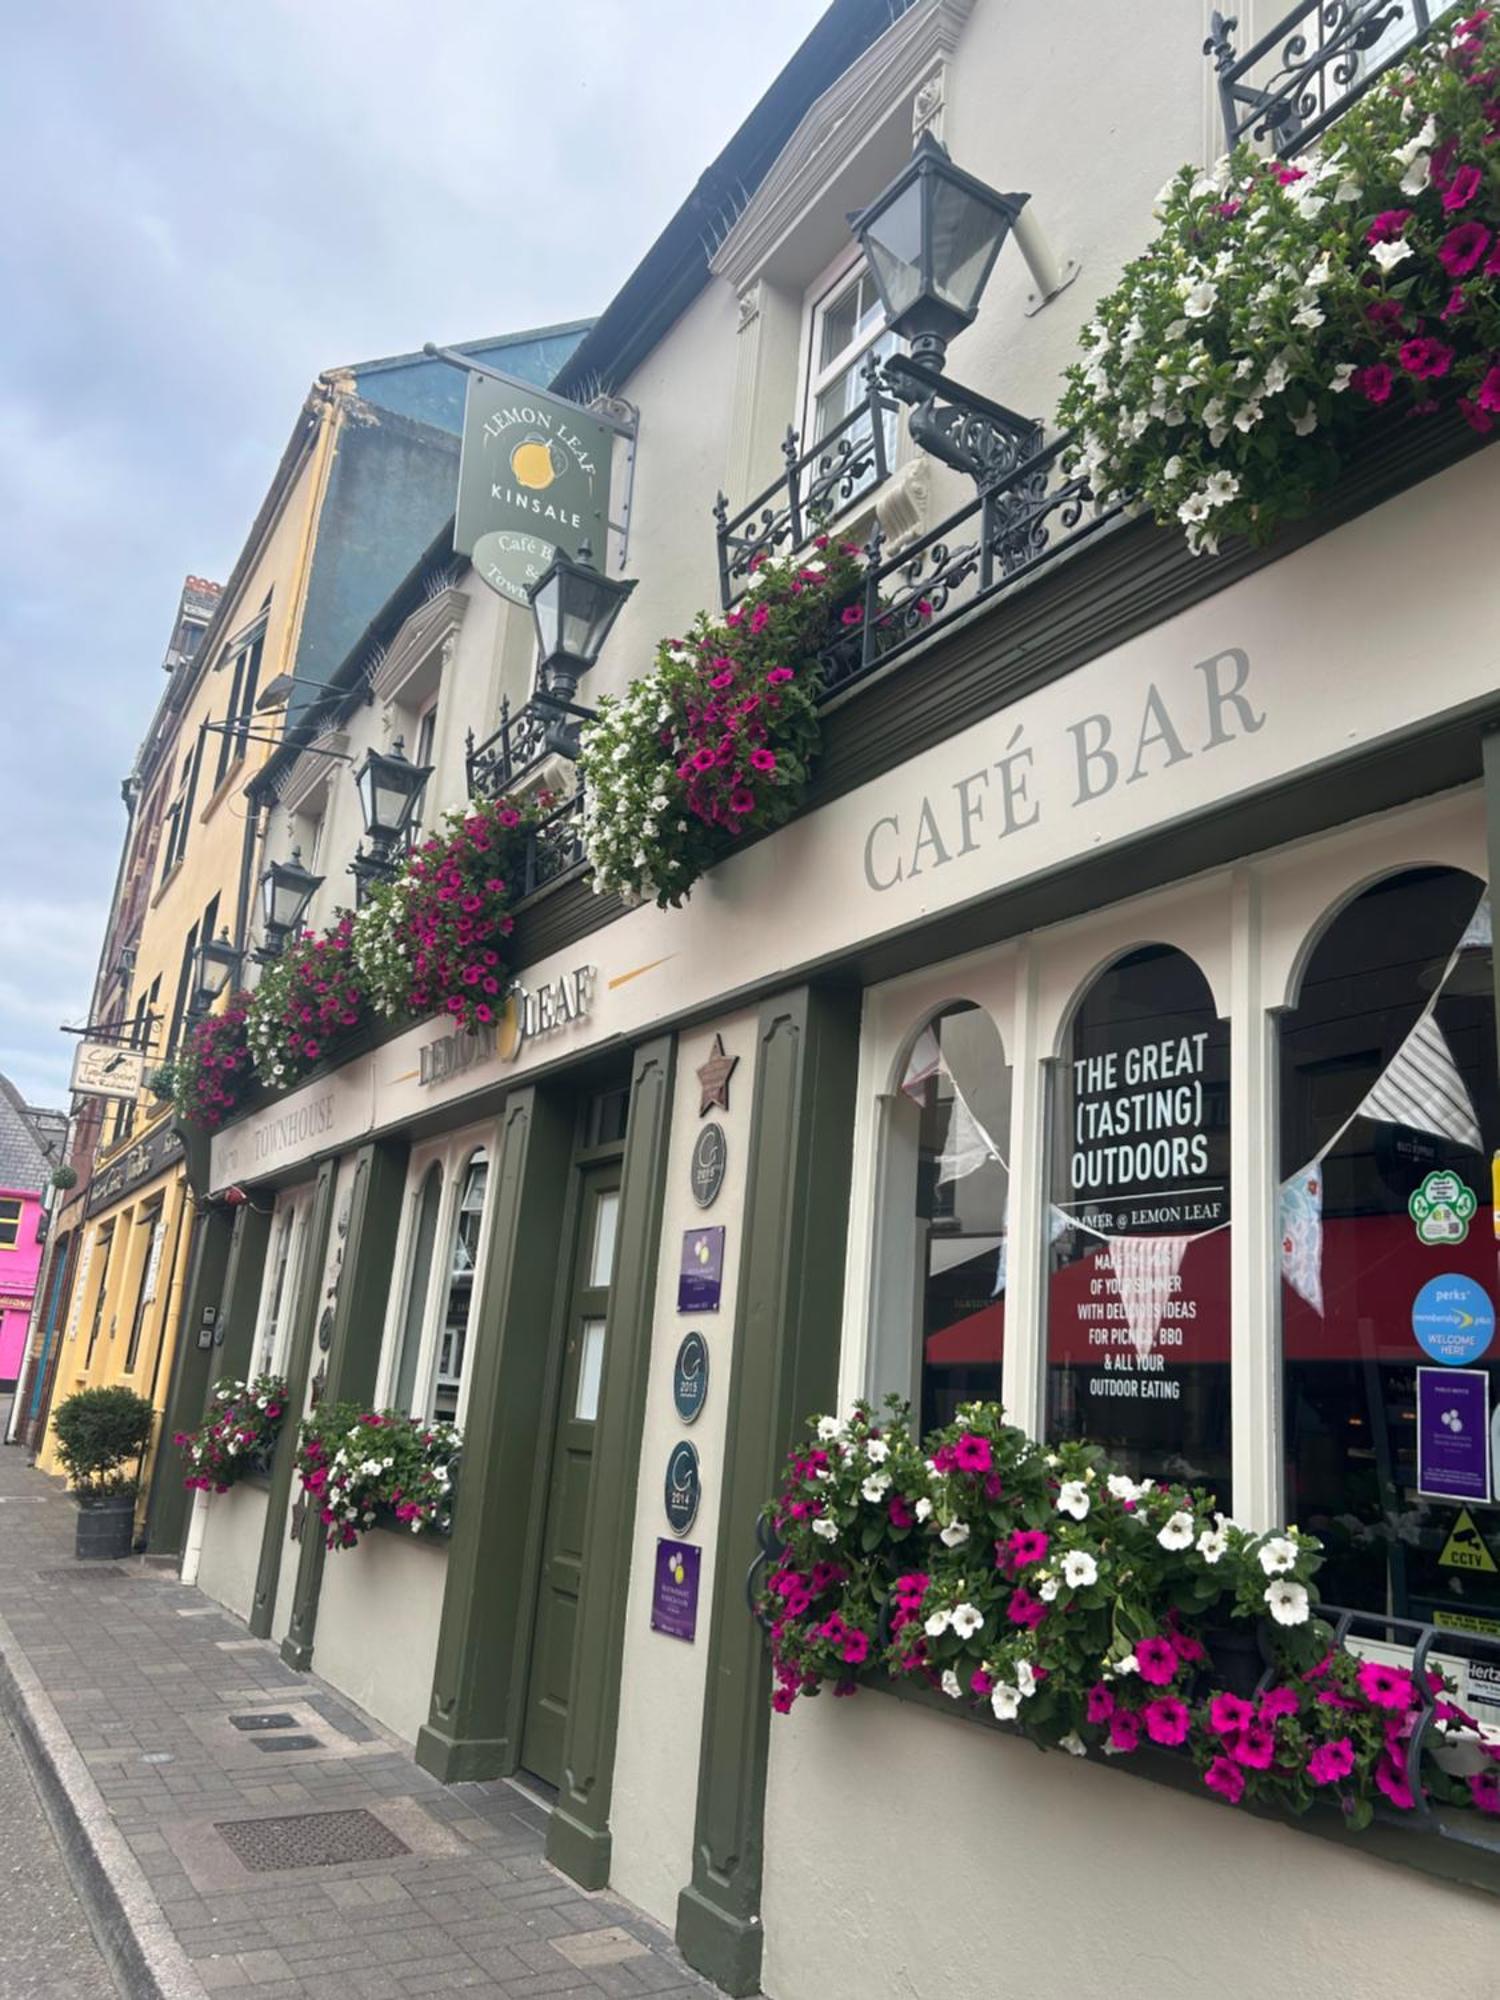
(533, 479)
(142, 1162)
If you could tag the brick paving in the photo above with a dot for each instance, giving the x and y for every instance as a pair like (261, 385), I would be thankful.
(144, 1674)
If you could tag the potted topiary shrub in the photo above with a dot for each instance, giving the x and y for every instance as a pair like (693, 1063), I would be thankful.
(99, 1433)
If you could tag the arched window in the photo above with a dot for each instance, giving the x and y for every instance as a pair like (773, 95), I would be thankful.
(1138, 1223)
(941, 1282)
(426, 1205)
(1389, 1111)
(463, 1258)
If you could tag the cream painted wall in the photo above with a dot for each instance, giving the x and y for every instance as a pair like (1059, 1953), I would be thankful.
(661, 1691)
(231, 1546)
(914, 1856)
(378, 1620)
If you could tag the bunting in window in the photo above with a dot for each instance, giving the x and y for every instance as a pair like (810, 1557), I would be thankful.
(1421, 1088)
(1301, 1225)
(1145, 1269)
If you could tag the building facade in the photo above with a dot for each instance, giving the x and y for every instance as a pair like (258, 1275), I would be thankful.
(1083, 988)
(30, 1150)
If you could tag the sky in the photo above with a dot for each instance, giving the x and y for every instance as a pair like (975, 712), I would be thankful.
(203, 207)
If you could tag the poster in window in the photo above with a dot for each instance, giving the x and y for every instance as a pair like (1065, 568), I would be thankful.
(1138, 1295)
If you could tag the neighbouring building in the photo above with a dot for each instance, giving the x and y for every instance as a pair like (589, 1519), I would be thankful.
(365, 480)
(1103, 1036)
(29, 1152)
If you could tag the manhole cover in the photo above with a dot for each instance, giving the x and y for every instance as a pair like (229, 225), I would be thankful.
(279, 1720)
(311, 1840)
(286, 1742)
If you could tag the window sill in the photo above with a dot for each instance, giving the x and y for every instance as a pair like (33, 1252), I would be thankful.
(1461, 1849)
(166, 881)
(227, 784)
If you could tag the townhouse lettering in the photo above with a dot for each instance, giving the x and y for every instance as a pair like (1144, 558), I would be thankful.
(1101, 751)
(294, 1128)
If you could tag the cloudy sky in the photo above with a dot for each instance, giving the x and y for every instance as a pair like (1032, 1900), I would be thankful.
(203, 207)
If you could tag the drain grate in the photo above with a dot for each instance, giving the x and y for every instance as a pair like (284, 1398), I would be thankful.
(286, 1742)
(279, 1720)
(311, 1840)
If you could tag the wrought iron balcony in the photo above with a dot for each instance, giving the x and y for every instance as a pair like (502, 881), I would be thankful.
(848, 462)
(1319, 59)
(555, 848)
(1007, 533)
(526, 738)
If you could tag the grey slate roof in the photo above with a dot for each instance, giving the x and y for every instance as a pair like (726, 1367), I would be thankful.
(23, 1163)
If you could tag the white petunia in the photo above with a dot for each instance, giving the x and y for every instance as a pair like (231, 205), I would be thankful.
(967, 1620)
(1194, 508)
(1287, 1602)
(1248, 416)
(829, 1428)
(1177, 1532)
(1348, 189)
(1389, 255)
(1073, 1743)
(1416, 176)
(1128, 1665)
(1172, 469)
(954, 1535)
(1026, 1680)
(1306, 423)
(924, 1509)
(1421, 142)
(1079, 1569)
(1220, 488)
(938, 1622)
(1212, 1544)
(1005, 1701)
(1048, 1589)
(876, 1487)
(951, 1685)
(1340, 379)
(1200, 300)
(1308, 315)
(829, 1530)
(877, 1451)
(1073, 1498)
(1278, 1554)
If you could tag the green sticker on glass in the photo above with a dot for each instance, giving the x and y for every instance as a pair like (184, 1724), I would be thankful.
(1442, 1208)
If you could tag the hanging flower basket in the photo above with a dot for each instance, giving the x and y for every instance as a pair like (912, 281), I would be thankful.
(212, 1071)
(237, 1438)
(307, 1002)
(358, 1465)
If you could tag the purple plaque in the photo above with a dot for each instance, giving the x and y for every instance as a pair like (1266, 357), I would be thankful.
(1453, 1433)
(674, 1594)
(702, 1274)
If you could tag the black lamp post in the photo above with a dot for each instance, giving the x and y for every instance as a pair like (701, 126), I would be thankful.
(931, 240)
(573, 607)
(286, 889)
(217, 969)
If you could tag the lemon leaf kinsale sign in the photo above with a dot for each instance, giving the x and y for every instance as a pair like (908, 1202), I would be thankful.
(533, 478)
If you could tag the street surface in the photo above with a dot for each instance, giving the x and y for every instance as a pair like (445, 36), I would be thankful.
(47, 1951)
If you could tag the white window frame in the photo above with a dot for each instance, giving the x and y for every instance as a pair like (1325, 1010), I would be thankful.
(427, 716)
(452, 1154)
(814, 379)
(292, 1209)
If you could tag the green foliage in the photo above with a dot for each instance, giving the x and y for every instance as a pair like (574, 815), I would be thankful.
(99, 1431)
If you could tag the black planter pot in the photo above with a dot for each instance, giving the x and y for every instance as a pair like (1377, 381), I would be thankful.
(106, 1526)
(1235, 1659)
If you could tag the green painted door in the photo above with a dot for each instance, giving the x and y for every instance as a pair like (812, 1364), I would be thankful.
(561, 1573)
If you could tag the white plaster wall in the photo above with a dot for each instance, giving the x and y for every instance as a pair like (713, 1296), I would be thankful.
(378, 1618)
(914, 1856)
(661, 1685)
(231, 1546)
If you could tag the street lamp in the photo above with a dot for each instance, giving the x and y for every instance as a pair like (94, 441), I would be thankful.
(218, 967)
(573, 607)
(931, 239)
(390, 787)
(286, 889)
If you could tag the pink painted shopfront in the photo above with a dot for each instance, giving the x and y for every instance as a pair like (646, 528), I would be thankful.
(26, 1139)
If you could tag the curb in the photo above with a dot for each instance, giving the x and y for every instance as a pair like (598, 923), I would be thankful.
(142, 1953)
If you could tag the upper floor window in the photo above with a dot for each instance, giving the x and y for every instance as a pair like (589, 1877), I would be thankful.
(243, 687)
(424, 753)
(846, 334)
(10, 1223)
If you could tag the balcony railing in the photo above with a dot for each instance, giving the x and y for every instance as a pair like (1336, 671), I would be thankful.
(555, 847)
(1319, 59)
(993, 542)
(523, 739)
(848, 462)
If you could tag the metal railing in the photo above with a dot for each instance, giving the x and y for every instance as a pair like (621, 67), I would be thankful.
(524, 737)
(555, 847)
(848, 462)
(1320, 58)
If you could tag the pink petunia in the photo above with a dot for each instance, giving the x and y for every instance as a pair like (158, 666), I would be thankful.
(1098, 1703)
(1124, 1730)
(1462, 188)
(1462, 248)
(1386, 1687)
(973, 1454)
(1158, 1661)
(1228, 1714)
(1167, 1720)
(1225, 1778)
(1331, 1761)
(1028, 1546)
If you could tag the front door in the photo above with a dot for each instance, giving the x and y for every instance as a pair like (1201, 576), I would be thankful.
(568, 1492)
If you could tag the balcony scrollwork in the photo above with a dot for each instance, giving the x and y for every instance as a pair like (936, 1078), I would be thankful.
(1321, 57)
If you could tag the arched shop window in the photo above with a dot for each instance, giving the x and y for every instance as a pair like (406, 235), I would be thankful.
(423, 1236)
(1138, 1223)
(1389, 1113)
(943, 1273)
(458, 1299)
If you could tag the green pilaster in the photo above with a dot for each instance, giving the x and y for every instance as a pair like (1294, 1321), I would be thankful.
(478, 1683)
(192, 1370)
(354, 1355)
(304, 1319)
(785, 1367)
(578, 1838)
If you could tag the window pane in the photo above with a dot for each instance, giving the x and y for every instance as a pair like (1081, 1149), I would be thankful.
(1138, 1295)
(418, 1273)
(959, 1083)
(840, 323)
(590, 1371)
(602, 1254)
(276, 1299)
(1389, 1108)
(454, 1332)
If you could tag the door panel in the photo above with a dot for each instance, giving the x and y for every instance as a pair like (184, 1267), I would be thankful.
(561, 1574)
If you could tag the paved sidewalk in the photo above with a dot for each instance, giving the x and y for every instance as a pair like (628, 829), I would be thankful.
(120, 1685)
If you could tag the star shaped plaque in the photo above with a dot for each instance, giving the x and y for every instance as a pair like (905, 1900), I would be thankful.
(713, 1079)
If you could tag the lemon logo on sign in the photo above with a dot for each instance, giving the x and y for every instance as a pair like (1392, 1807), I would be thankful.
(535, 462)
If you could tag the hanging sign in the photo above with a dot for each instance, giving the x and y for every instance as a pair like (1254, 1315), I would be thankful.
(1453, 1434)
(690, 1377)
(1442, 1208)
(533, 478)
(104, 1069)
(674, 1590)
(684, 1488)
(701, 1276)
(1453, 1319)
(710, 1157)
